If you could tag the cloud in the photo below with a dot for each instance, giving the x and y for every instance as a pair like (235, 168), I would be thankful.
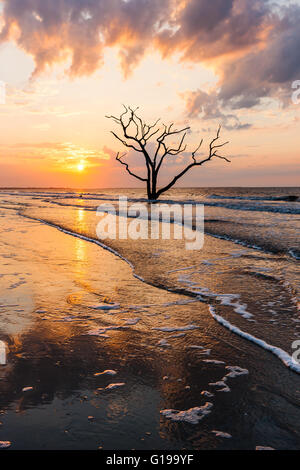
(57, 153)
(51, 31)
(269, 71)
(253, 45)
(206, 29)
(257, 45)
(208, 106)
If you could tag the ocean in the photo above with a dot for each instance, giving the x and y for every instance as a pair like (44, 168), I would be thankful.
(143, 344)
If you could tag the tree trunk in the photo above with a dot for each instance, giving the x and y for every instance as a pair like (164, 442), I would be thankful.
(153, 184)
(152, 195)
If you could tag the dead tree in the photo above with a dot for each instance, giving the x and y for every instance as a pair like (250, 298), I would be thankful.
(136, 134)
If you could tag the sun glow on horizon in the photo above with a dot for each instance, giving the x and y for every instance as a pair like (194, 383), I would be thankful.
(81, 166)
(53, 121)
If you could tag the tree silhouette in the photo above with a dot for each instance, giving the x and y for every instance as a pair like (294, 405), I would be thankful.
(137, 135)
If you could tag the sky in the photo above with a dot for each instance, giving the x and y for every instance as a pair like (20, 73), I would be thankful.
(66, 64)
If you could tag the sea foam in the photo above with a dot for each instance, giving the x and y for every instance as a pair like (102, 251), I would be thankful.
(280, 353)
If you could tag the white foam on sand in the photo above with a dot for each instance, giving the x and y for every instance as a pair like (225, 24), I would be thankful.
(113, 386)
(287, 360)
(131, 321)
(5, 444)
(170, 329)
(2, 353)
(205, 352)
(226, 435)
(231, 300)
(192, 416)
(163, 343)
(263, 448)
(236, 371)
(221, 383)
(105, 306)
(105, 372)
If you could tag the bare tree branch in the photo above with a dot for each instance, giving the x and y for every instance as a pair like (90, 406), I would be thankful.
(126, 143)
(119, 159)
(135, 137)
(195, 151)
(143, 133)
(212, 153)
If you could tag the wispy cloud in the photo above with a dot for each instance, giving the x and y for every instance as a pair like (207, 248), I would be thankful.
(61, 154)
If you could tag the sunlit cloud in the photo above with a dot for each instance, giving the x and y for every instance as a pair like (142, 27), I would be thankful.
(65, 156)
(239, 36)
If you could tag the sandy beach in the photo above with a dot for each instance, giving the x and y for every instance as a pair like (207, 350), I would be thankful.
(122, 349)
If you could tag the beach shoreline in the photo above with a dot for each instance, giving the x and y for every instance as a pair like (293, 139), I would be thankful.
(71, 310)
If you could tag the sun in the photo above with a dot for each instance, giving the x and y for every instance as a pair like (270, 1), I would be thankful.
(80, 166)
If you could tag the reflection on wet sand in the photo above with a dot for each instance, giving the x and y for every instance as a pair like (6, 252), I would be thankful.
(72, 283)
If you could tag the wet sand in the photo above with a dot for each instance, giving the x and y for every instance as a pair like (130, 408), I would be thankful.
(71, 310)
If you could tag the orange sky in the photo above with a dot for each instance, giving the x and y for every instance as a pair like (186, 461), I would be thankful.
(53, 127)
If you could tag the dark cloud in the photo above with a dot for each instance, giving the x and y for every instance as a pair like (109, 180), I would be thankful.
(265, 70)
(208, 106)
(204, 16)
(269, 71)
(208, 29)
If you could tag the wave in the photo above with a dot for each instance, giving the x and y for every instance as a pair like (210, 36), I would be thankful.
(283, 209)
(262, 245)
(289, 198)
(247, 244)
(214, 200)
(295, 253)
(287, 360)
